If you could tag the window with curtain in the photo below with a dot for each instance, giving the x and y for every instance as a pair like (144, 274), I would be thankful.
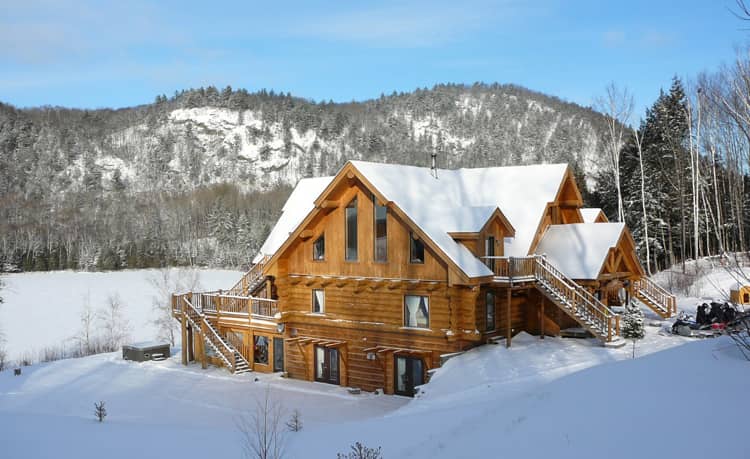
(416, 311)
(318, 301)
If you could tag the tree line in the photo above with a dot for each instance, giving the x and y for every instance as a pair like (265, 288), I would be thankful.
(680, 177)
(137, 187)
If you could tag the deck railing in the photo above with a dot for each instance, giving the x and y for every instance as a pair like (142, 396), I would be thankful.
(218, 303)
(507, 267)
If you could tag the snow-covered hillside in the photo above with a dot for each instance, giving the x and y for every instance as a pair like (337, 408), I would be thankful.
(533, 400)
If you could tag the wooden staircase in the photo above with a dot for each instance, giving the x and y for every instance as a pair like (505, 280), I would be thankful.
(232, 358)
(577, 302)
(251, 281)
(655, 297)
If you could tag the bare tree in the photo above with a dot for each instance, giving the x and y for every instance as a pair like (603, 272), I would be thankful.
(165, 282)
(617, 107)
(262, 431)
(115, 325)
(85, 338)
(100, 411)
(639, 146)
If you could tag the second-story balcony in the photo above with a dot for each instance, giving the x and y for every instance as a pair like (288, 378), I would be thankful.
(512, 269)
(220, 304)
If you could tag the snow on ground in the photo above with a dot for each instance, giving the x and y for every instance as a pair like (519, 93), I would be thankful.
(43, 309)
(536, 399)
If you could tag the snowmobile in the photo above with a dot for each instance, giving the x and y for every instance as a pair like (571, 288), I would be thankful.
(710, 321)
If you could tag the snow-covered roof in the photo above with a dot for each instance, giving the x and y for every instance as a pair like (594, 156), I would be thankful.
(579, 249)
(459, 200)
(299, 204)
(443, 205)
(589, 214)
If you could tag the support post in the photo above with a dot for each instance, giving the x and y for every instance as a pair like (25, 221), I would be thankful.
(541, 316)
(191, 341)
(508, 326)
(183, 329)
(202, 347)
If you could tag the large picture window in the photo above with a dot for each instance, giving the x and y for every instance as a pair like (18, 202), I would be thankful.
(319, 248)
(351, 231)
(489, 299)
(260, 349)
(416, 249)
(318, 301)
(416, 311)
(381, 231)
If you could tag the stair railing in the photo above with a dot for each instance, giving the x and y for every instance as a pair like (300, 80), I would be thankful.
(585, 306)
(242, 286)
(654, 292)
(198, 320)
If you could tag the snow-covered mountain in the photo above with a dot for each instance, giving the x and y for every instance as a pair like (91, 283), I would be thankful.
(53, 158)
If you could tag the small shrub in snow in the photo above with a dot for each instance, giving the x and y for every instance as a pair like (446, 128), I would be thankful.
(632, 323)
(360, 451)
(100, 411)
(294, 424)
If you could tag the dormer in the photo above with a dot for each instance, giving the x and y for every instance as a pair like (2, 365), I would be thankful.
(487, 239)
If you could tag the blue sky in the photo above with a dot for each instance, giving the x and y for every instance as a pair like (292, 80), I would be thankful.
(93, 54)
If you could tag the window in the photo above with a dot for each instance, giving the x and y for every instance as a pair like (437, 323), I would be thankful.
(416, 249)
(351, 231)
(489, 299)
(489, 251)
(416, 311)
(260, 349)
(318, 301)
(319, 248)
(381, 231)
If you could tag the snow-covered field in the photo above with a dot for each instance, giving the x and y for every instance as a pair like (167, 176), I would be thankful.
(43, 309)
(536, 399)
(541, 398)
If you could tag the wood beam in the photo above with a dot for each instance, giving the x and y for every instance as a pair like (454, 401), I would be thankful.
(306, 234)
(508, 327)
(329, 205)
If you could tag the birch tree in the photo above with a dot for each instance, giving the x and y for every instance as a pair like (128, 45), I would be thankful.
(617, 107)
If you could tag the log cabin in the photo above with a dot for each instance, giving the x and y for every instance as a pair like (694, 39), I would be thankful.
(374, 276)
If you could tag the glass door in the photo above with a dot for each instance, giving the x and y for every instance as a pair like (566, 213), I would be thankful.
(409, 373)
(326, 365)
(278, 354)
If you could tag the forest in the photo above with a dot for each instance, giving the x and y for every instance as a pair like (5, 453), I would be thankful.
(198, 178)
